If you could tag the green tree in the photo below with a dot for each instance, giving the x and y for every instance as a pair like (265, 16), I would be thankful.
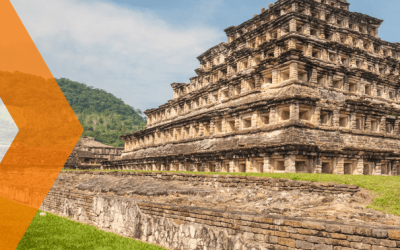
(114, 117)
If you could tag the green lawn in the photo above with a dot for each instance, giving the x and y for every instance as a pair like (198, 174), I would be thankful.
(56, 233)
(386, 188)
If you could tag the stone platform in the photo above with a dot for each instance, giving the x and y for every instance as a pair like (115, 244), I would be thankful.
(299, 199)
(185, 211)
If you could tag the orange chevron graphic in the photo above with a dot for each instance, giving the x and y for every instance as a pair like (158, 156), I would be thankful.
(48, 128)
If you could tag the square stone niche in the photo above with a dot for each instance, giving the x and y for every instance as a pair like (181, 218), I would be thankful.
(242, 166)
(305, 113)
(284, 113)
(326, 118)
(303, 166)
(279, 166)
(344, 120)
(349, 168)
(246, 122)
(327, 168)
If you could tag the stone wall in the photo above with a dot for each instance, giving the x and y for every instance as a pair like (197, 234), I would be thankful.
(262, 149)
(201, 228)
(241, 181)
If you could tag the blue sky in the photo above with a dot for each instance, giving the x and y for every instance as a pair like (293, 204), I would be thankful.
(222, 14)
(136, 49)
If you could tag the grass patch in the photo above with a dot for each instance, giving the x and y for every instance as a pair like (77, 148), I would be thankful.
(386, 188)
(56, 233)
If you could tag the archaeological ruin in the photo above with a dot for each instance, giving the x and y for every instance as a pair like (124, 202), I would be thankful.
(182, 211)
(90, 154)
(303, 87)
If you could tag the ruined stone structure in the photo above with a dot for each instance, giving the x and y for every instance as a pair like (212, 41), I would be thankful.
(192, 212)
(306, 86)
(89, 154)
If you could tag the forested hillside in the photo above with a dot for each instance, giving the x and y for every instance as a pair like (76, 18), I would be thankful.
(102, 115)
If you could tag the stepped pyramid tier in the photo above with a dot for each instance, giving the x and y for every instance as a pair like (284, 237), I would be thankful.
(89, 153)
(305, 86)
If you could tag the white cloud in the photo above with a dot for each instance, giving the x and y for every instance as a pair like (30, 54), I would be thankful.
(132, 54)
(8, 130)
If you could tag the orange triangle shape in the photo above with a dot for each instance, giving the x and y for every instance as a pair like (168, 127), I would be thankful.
(48, 128)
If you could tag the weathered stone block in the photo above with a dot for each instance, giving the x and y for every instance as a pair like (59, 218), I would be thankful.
(354, 238)
(363, 231)
(282, 234)
(314, 239)
(287, 242)
(323, 247)
(304, 245)
(313, 225)
(394, 234)
(378, 248)
(380, 234)
(333, 228)
(338, 236)
(388, 243)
